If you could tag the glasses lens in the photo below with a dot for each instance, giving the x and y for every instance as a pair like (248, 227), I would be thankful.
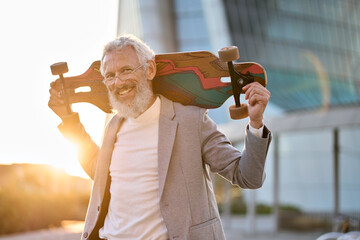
(125, 75)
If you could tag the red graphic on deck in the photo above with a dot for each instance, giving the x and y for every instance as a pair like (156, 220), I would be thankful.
(207, 83)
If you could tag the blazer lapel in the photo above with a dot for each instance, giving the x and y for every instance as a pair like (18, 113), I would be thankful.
(167, 133)
(104, 159)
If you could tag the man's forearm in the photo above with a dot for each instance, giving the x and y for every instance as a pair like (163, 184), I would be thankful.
(72, 129)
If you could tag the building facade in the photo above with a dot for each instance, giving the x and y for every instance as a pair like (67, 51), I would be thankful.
(310, 50)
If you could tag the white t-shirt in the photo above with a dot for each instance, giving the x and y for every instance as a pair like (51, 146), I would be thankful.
(134, 211)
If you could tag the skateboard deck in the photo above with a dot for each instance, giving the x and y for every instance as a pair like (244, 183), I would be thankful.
(190, 78)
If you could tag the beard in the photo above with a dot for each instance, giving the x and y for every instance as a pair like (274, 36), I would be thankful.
(138, 105)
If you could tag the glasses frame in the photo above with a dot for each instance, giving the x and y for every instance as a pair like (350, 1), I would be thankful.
(111, 80)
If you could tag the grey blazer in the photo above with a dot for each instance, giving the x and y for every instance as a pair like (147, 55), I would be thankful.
(189, 146)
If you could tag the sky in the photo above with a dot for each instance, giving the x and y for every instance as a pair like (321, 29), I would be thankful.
(34, 35)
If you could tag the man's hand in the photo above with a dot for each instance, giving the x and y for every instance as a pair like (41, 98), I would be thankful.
(258, 97)
(56, 101)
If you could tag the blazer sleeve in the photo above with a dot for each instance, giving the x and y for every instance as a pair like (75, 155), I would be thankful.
(246, 168)
(72, 129)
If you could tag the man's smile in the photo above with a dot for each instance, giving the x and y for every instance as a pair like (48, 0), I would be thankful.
(124, 90)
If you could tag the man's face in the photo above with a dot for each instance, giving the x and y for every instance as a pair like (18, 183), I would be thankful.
(130, 92)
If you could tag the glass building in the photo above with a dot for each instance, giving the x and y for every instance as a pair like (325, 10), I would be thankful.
(310, 50)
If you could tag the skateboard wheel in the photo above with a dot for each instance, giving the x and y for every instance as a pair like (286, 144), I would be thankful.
(238, 112)
(59, 68)
(228, 54)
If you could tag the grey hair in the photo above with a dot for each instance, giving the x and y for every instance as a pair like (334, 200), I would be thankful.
(143, 51)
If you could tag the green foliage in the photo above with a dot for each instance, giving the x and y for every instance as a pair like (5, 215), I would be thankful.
(238, 205)
(33, 198)
(289, 209)
(263, 209)
(21, 211)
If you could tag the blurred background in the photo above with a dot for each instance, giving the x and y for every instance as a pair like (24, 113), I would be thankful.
(310, 49)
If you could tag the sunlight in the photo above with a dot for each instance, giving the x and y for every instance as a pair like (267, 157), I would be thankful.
(82, 89)
(76, 170)
(37, 38)
(93, 120)
(73, 226)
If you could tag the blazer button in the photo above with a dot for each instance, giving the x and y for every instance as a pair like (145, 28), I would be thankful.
(98, 208)
(85, 235)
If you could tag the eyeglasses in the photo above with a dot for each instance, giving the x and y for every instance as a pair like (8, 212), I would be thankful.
(110, 78)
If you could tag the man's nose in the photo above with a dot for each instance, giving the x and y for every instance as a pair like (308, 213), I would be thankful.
(119, 80)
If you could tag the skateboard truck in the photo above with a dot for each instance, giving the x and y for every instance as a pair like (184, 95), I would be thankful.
(59, 69)
(238, 81)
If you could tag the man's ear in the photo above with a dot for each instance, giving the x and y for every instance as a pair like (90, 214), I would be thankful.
(151, 70)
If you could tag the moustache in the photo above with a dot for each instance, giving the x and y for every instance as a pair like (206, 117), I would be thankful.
(124, 87)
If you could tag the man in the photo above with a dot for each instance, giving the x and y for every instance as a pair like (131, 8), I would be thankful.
(151, 174)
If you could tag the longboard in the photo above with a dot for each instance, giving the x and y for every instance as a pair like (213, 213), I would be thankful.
(190, 78)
